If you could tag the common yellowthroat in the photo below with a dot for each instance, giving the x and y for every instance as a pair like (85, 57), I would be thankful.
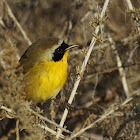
(45, 68)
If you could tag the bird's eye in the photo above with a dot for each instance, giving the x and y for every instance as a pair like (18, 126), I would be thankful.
(58, 50)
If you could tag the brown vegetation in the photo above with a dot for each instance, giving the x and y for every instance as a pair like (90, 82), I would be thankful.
(107, 101)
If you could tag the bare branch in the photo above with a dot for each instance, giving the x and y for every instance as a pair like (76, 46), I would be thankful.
(104, 116)
(17, 129)
(121, 70)
(81, 71)
(17, 23)
(130, 6)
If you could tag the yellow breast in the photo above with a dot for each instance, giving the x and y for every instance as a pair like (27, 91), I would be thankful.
(45, 79)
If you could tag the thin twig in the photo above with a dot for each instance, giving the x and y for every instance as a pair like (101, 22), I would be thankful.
(1, 22)
(2, 52)
(63, 31)
(38, 115)
(50, 130)
(81, 71)
(95, 86)
(102, 46)
(86, 16)
(105, 115)
(17, 129)
(6, 109)
(17, 23)
(41, 126)
(121, 127)
(10, 41)
(130, 6)
(47, 120)
(121, 70)
(130, 56)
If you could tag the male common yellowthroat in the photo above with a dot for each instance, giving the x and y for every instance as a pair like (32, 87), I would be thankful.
(45, 68)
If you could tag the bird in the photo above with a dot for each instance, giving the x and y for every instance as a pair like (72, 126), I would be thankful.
(45, 68)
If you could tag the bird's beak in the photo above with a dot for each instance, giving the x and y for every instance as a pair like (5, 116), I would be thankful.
(71, 46)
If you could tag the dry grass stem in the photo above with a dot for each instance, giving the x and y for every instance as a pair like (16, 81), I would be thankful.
(17, 23)
(121, 70)
(132, 9)
(38, 115)
(17, 130)
(51, 131)
(104, 116)
(76, 84)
